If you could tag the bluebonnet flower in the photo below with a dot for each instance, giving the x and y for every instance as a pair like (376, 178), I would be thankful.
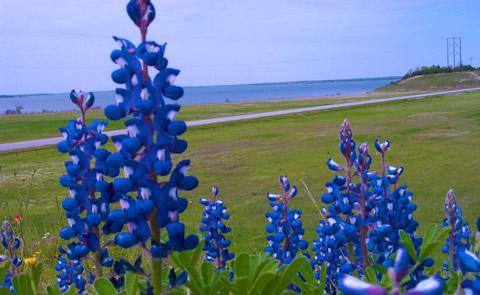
(284, 230)
(361, 219)
(121, 194)
(89, 201)
(216, 244)
(11, 245)
(459, 236)
(71, 273)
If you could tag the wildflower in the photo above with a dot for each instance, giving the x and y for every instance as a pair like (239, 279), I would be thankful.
(216, 244)
(364, 212)
(30, 261)
(17, 218)
(284, 230)
(459, 236)
(118, 193)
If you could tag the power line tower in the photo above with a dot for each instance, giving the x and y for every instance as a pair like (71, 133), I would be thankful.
(454, 52)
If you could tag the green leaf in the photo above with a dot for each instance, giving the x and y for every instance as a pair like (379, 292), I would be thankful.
(287, 275)
(452, 282)
(187, 259)
(241, 285)
(103, 286)
(207, 270)
(429, 234)
(427, 250)
(442, 235)
(71, 291)
(5, 291)
(131, 280)
(371, 275)
(3, 270)
(194, 282)
(53, 290)
(241, 265)
(323, 277)
(22, 284)
(36, 273)
(407, 242)
(267, 264)
(261, 282)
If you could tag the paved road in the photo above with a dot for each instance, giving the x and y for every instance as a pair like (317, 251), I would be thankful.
(51, 141)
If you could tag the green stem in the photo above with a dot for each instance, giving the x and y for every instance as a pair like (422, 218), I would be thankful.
(156, 262)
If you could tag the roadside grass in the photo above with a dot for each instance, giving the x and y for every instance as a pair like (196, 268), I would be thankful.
(435, 139)
(435, 82)
(43, 125)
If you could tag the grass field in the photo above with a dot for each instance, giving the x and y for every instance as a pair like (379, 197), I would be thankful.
(435, 82)
(435, 139)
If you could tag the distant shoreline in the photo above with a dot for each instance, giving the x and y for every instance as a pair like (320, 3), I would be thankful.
(231, 85)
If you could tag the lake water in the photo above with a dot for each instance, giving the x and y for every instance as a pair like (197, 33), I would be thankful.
(211, 94)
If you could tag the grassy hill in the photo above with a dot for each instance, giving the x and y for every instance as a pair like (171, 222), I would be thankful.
(435, 82)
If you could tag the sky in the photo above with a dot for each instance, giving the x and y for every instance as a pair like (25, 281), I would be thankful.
(57, 45)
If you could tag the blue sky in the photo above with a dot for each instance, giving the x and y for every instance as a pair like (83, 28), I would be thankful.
(57, 45)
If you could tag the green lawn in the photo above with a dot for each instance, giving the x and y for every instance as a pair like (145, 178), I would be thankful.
(435, 139)
(36, 126)
(435, 82)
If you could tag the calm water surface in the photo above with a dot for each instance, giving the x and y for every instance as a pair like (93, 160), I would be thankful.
(211, 94)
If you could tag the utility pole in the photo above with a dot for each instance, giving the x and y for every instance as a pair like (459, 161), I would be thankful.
(448, 53)
(454, 51)
(460, 38)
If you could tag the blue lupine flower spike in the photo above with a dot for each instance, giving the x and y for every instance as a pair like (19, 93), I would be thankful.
(284, 230)
(459, 236)
(216, 244)
(362, 216)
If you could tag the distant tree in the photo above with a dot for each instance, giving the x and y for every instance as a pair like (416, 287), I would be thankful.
(436, 69)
